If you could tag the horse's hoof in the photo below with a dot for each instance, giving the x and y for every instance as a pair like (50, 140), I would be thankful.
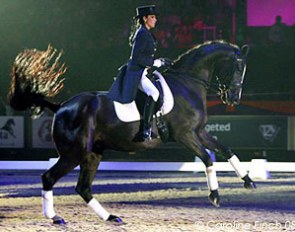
(115, 220)
(57, 220)
(249, 183)
(214, 198)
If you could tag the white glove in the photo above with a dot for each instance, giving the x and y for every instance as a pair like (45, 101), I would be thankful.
(158, 63)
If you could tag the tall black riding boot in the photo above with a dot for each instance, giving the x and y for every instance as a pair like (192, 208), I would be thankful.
(146, 128)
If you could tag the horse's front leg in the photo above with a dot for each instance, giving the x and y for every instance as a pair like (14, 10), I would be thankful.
(88, 168)
(212, 144)
(193, 143)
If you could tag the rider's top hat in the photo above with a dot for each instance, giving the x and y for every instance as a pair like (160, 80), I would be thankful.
(145, 10)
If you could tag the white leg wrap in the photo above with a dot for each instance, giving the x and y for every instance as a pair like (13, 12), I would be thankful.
(47, 204)
(211, 178)
(98, 209)
(239, 169)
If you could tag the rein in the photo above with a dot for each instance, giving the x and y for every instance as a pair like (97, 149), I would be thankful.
(206, 84)
(221, 89)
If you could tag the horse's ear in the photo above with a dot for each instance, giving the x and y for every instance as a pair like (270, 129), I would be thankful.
(244, 51)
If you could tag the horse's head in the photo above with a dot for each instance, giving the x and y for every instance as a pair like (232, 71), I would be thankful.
(230, 85)
(228, 63)
(220, 60)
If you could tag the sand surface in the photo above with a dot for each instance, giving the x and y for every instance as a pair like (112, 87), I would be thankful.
(150, 202)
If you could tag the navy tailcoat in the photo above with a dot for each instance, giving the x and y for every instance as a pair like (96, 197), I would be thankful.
(125, 87)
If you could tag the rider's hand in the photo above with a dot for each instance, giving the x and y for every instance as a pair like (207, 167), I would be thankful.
(157, 63)
(162, 62)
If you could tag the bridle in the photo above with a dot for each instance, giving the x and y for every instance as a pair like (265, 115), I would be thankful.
(236, 82)
(221, 88)
(224, 89)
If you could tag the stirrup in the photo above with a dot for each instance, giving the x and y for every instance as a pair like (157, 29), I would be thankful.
(145, 135)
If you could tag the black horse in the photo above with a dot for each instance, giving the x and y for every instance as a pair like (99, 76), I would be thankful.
(86, 124)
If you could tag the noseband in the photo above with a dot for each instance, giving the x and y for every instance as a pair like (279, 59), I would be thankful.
(235, 83)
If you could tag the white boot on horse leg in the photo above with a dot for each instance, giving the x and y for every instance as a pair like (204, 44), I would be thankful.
(213, 186)
(103, 213)
(48, 208)
(241, 172)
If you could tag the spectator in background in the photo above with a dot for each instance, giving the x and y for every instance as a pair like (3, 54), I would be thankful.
(278, 33)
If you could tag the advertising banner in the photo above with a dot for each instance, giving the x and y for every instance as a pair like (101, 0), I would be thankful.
(41, 132)
(11, 132)
(250, 132)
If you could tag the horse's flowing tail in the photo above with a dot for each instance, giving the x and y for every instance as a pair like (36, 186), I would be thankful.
(35, 75)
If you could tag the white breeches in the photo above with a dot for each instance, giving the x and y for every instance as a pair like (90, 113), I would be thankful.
(148, 87)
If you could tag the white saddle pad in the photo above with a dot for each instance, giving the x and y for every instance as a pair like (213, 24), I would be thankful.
(129, 112)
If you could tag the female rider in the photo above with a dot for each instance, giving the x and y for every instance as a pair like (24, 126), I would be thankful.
(133, 75)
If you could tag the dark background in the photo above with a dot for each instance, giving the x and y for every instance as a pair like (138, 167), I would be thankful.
(94, 37)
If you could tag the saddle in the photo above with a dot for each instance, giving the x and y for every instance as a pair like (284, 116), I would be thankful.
(132, 112)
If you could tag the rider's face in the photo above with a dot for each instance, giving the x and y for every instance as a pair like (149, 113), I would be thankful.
(150, 21)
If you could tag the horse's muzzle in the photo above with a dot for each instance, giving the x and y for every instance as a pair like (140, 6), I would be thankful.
(233, 96)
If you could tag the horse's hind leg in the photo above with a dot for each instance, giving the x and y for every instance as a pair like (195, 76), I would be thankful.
(88, 168)
(212, 144)
(192, 142)
(49, 178)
